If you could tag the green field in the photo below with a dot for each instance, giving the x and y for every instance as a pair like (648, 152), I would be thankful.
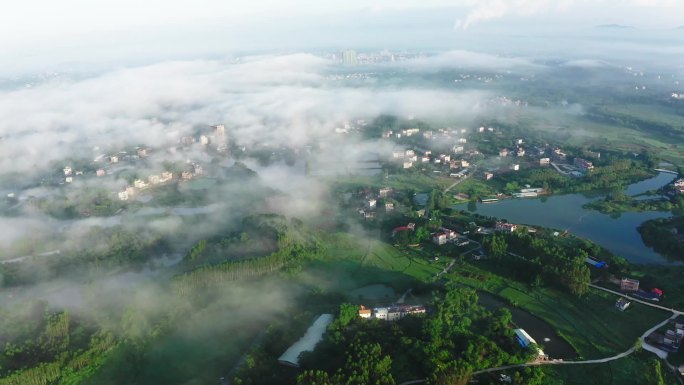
(637, 369)
(591, 324)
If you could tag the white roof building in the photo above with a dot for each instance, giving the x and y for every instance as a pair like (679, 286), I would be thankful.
(308, 342)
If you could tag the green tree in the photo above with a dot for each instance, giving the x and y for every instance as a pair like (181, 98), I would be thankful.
(496, 245)
(366, 365)
(315, 377)
(577, 278)
(347, 313)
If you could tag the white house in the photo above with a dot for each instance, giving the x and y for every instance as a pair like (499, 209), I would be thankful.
(439, 238)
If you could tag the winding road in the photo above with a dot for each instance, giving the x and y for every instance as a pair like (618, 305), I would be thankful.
(642, 338)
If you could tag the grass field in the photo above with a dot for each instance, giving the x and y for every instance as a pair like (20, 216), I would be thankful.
(591, 324)
(352, 262)
(637, 369)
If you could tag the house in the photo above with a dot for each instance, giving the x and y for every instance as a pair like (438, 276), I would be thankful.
(394, 314)
(544, 161)
(130, 190)
(583, 164)
(364, 312)
(503, 152)
(384, 192)
(187, 140)
(679, 183)
(69, 179)
(204, 139)
(445, 158)
(622, 303)
(521, 151)
(367, 214)
(410, 153)
(389, 207)
(100, 172)
(197, 169)
(408, 165)
(628, 284)
(154, 179)
(451, 234)
(439, 238)
(425, 159)
(559, 154)
(67, 171)
(139, 183)
(488, 175)
(113, 159)
(515, 167)
(142, 152)
(166, 176)
(371, 203)
(457, 149)
(506, 227)
(410, 226)
(518, 142)
(459, 163)
(123, 195)
(186, 175)
(219, 129)
(381, 312)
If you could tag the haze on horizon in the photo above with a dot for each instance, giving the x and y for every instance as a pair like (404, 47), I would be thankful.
(74, 34)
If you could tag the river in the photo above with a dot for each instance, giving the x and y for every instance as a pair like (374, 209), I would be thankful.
(617, 233)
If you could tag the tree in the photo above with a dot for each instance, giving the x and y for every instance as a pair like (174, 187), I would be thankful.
(347, 313)
(315, 377)
(577, 278)
(366, 365)
(456, 373)
(496, 245)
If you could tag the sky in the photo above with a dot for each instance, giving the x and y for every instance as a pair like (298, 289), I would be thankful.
(40, 33)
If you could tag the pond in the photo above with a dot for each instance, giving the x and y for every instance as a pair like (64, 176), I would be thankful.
(617, 233)
(373, 292)
(542, 332)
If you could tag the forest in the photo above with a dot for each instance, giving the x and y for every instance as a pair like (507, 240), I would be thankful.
(454, 339)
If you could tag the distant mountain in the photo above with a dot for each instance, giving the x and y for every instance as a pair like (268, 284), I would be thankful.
(681, 28)
(615, 26)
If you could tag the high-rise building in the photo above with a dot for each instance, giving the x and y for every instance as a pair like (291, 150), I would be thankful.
(349, 58)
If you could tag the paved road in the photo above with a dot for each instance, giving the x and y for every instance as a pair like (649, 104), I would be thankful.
(585, 362)
(651, 304)
(558, 169)
(472, 171)
(25, 257)
(642, 338)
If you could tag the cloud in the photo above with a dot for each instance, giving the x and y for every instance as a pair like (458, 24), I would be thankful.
(487, 10)
(278, 99)
(469, 60)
